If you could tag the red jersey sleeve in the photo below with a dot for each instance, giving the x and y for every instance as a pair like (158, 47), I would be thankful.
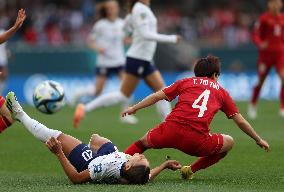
(256, 33)
(173, 90)
(229, 107)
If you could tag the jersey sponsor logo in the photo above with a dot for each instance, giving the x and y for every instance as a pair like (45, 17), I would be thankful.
(87, 155)
(98, 168)
(143, 16)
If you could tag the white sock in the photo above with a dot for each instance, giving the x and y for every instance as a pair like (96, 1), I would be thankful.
(106, 100)
(163, 108)
(126, 103)
(39, 130)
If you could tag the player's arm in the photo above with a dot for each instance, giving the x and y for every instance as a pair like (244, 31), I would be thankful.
(19, 22)
(91, 43)
(148, 101)
(77, 178)
(142, 26)
(170, 164)
(256, 34)
(244, 125)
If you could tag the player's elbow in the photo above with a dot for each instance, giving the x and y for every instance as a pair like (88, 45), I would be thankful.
(76, 180)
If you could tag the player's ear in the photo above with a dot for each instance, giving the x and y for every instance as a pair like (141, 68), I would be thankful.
(128, 165)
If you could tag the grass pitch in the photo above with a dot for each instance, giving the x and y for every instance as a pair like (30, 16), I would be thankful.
(27, 165)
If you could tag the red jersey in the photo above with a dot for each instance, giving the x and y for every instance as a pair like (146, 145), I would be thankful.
(269, 28)
(199, 100)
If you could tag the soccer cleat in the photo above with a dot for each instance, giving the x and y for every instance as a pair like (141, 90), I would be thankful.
(79, 115)
(186, 173)
(281, 113)
(129, 119)
(252, 111)
(13, 105)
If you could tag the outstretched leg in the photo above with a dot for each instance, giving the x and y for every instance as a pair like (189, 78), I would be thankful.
(39, 130)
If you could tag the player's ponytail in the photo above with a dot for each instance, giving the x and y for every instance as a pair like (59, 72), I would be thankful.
(131, 4)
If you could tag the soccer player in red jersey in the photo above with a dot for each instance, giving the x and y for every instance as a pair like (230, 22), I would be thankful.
(268, 36)
(5, 117)
(187, 127)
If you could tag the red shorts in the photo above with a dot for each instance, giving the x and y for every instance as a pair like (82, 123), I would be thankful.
(2, 101)
(174, 135)
(267, 60)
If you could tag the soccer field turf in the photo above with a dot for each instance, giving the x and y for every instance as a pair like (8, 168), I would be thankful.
(27, 165)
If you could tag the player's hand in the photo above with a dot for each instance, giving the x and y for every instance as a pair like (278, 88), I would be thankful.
(263, 45)
(179, 38)
(20, 18)
(172, 164)
(263, 144)
(129, 111)
(101, 50)
(54, 146)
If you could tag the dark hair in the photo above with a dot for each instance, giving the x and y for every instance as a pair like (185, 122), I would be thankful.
(207, 67)
(130, 4)
(137, 175)
(103, 10)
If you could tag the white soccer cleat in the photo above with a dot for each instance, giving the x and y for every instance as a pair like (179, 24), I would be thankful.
(129, 119)
(281, 113)
(13, 105)
(252, 111)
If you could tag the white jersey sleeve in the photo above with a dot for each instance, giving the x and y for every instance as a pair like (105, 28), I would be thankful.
(143, 27)
(128, 28)
(107, 168)
(3, 52)
(145, 35)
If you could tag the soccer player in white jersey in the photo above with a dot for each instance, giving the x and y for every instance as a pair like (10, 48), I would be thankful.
(3, 64)
(107, 39)
(98, 162)
(143, 23)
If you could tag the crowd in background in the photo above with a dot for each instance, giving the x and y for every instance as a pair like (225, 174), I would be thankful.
(69, 22)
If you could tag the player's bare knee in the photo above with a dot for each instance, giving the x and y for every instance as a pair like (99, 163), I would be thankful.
(230, 142)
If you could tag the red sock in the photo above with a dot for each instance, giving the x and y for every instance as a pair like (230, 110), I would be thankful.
(136, 147)
(4, 123)
(204, 162)
(255, 94)
(282, 96)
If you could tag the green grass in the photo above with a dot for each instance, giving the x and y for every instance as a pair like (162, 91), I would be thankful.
(27, 165)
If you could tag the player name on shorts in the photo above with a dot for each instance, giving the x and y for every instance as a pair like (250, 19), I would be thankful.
(206, 82)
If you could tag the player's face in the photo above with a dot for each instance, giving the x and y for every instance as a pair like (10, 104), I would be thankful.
(112, 9)
(138, 159)
(275, 5)
(147, 2)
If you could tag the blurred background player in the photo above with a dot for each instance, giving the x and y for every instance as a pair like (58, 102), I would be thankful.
(3, 64)
(98, 162)
(5, 117)
(143, 23)
(107, 39)
(187, 127)
(268, 37)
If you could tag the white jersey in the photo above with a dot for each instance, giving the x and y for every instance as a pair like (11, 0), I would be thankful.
(145, 37)
(109, 35)
(106, 168)
(3, 52)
